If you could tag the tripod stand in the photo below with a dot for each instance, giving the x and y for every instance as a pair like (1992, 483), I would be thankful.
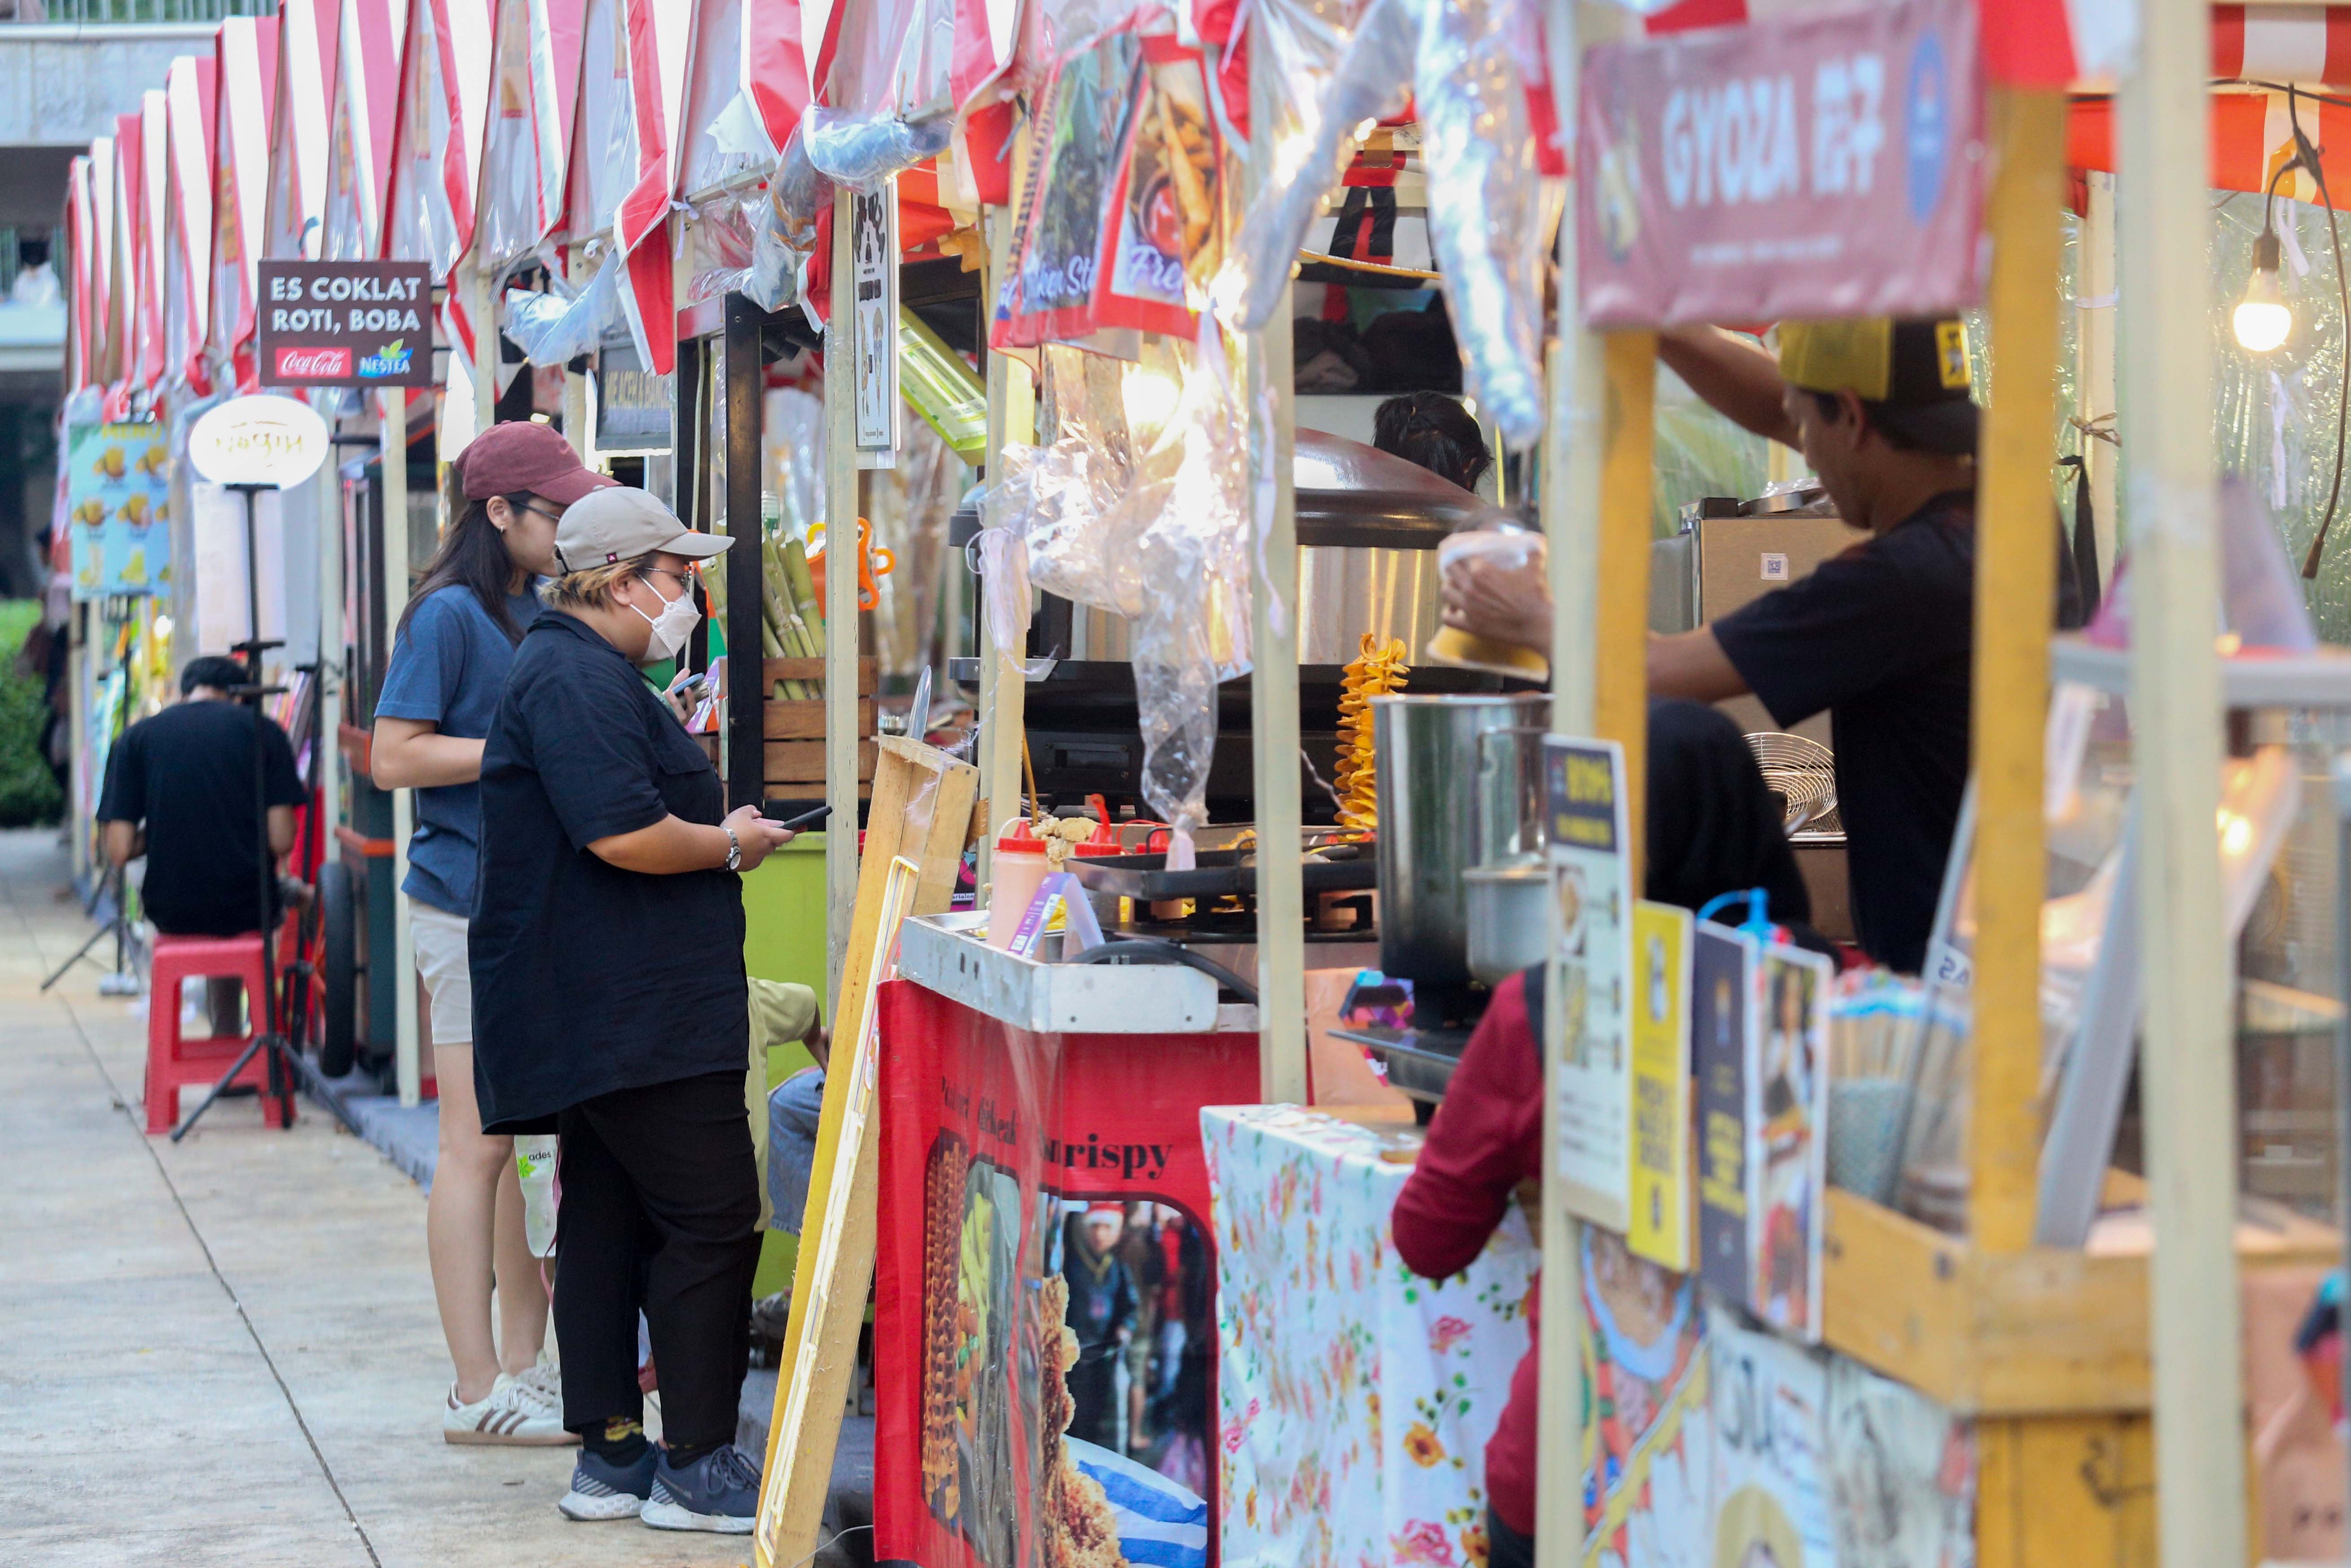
(284, 1065)
(119, 981)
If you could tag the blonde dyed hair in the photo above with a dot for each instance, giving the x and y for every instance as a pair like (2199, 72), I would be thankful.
(593, 589)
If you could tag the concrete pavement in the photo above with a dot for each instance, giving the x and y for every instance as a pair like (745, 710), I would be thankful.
(226, 1352)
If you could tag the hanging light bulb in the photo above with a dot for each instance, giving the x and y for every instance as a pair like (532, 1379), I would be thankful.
(2262, 320)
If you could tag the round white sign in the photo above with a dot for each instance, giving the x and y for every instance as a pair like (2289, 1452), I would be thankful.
(258, 441)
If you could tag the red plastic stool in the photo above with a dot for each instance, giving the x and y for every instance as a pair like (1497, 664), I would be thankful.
(174, 1063)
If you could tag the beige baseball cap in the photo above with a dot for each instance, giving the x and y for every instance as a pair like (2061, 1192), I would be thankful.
(606, 527)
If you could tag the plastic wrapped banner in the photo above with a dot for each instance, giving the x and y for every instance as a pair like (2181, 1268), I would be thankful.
(1823, 165)
(1048, 292)
(1163, 230)
(1045, 1338)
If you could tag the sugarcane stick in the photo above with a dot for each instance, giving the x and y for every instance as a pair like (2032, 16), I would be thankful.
(777, 623)
(800, 596)
(803, 587)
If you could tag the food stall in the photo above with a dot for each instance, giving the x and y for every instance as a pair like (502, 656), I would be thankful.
(1018, 1124)
(2006, 1381)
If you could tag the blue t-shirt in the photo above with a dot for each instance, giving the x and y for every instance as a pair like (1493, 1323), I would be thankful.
(448, 670)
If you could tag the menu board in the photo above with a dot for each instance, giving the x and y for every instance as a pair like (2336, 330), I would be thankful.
(118, 509)
(1722, 990)
(1591, 960)
(1761, 1013)
(1660, 1150)
(1789, 1169)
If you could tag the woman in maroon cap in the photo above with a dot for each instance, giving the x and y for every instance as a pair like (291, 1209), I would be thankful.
(448, 667)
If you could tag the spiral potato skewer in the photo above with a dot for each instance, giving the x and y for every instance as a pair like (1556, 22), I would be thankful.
(1379, 670)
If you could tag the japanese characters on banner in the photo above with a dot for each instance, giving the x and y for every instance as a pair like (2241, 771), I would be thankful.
(1820, 166)
(1586, 993)
(118, 509)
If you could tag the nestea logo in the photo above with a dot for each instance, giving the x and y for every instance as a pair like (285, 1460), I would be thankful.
(392, 359)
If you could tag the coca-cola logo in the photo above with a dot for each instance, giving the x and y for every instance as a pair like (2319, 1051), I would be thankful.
(310, 362)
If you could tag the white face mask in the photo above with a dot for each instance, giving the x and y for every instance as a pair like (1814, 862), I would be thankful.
(672, 627)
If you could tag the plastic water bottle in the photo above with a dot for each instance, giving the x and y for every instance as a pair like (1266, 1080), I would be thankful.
(534, 1163)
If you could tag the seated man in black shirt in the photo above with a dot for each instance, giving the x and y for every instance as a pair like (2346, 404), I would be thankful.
(1882, 637)
(180, 791)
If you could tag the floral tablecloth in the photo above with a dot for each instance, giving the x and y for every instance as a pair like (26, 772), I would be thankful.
(1355, 1398)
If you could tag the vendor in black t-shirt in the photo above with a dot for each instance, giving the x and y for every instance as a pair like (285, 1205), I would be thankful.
(1882, 636)
(180, 790)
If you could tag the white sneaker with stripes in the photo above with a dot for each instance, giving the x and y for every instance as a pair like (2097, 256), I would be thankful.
(513, 1412)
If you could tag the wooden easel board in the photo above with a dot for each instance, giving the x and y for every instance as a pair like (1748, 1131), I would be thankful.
(920, 821)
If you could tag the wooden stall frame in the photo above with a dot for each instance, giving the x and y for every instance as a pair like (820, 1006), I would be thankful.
(923, 805)
(408, 1067)
(842, 493)
(2059, 1355)
(1273, 660)
(1003, 688)
(2188, 1070)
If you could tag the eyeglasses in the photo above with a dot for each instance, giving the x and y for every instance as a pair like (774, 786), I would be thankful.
(550, 516)
(684, 578)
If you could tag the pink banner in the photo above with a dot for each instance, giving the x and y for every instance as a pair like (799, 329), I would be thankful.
(1827, 165)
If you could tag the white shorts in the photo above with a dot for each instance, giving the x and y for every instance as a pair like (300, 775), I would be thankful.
(447, 973)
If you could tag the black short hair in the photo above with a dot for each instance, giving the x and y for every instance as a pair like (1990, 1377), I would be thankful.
(1887, 420)
(1436, 431)
(220, 674)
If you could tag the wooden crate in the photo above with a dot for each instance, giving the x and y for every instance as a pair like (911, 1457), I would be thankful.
(793, 729)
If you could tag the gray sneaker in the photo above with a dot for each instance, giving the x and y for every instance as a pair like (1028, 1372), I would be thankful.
(603, 1490)
(718, 1492)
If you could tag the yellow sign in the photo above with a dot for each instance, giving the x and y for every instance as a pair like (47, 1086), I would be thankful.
(1659, 1149)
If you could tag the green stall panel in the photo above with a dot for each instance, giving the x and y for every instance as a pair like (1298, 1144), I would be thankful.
(783, 939)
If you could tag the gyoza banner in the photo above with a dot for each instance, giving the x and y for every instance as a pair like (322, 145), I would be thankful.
(1819, 166)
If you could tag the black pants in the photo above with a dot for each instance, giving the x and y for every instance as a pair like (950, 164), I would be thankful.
(660, 1210)
(1505, 1547)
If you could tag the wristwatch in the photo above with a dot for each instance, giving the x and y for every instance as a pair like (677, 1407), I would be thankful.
(734, 848)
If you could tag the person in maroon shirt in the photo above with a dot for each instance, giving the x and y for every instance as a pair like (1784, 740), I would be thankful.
(1486, 1140)
(1712, 828)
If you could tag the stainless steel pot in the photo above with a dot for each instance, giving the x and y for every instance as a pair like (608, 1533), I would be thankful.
(1460, 787)
(1508, 923)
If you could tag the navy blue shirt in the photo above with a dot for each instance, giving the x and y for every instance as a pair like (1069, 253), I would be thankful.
(589, 978)
(1882, 637)
(448, 670)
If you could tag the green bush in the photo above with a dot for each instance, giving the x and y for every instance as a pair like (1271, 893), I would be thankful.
(28, 790)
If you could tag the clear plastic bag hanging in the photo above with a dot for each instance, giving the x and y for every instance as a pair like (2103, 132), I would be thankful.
(1485, 208)
(1192, 556)
(863, 149)
(551, 330)
(1332, 79)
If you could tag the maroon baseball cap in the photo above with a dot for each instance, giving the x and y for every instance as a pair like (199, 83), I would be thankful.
(524, 454)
